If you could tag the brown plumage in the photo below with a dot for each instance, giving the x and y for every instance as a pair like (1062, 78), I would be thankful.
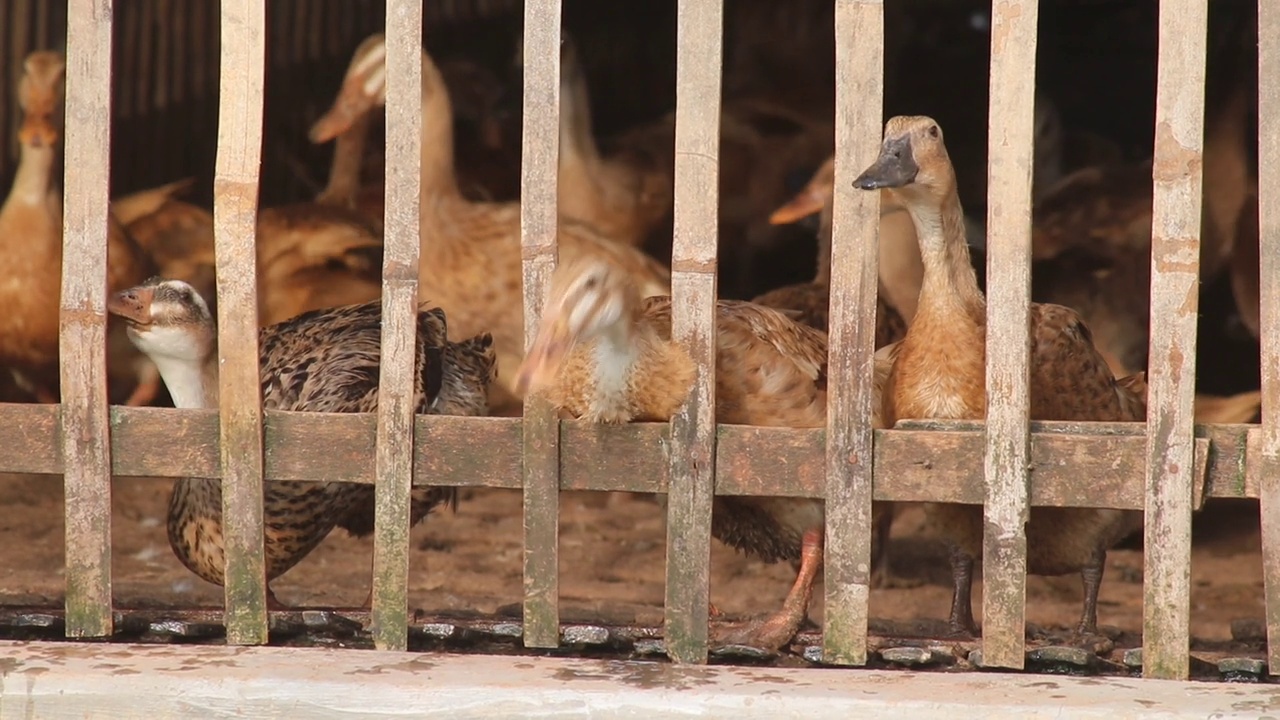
(604, 354)
(939, 371)
(618, 199)
(810, 302)
(31, 247)
(320, 361)
(176, 234)
(471, 254)
(313, 256)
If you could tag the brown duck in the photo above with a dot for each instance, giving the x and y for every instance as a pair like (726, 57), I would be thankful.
(604, 354)
(939, 372)
(320, 361)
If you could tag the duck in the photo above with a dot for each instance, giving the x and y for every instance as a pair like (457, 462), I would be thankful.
(939, 372)
(177, 235)
(603, 353)
(321, 361)
(471, 253)
(618, 199)
(900, 267)
(31, 250)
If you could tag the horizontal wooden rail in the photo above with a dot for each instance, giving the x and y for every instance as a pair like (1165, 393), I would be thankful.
(915, 462)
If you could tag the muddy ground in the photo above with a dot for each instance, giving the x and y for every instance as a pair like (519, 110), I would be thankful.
(612, 551)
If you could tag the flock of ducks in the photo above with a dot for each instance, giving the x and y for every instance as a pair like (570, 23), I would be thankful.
(603, 351)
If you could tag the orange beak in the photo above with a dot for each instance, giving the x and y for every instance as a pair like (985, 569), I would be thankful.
(134, 305)
(37, 131)
(805, 203)
(355, 99)
(550, 347)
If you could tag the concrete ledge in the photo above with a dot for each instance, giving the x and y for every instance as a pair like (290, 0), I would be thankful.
(75, 680)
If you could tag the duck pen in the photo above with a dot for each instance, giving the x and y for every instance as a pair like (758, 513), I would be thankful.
(1167, 468)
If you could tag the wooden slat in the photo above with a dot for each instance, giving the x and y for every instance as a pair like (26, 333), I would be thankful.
(854, 284)
(700, 44)
(86, 444)
(1010, 139)
(930, 462)
(393, 466)
(538, 221)
(1175, 288)
(1269, 267)
(235, 211)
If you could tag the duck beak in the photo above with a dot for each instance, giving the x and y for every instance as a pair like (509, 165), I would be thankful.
(805, 203)
(355, 99)
(550, 347)
(895, 168)
(134, 305)
(36, 131)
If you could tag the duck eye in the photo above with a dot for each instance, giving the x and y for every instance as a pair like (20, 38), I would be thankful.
(933, 131)
(591, 283)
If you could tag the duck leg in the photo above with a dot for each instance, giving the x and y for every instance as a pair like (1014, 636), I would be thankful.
(962, 594)
(773, 632)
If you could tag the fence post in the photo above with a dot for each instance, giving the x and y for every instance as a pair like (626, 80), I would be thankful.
(1175, 300)
(691, 487)
(86, 445)
(1269, 282)
(235, 216)
(1009, 150)
(855, 232)
(538, 225)
(393, 462)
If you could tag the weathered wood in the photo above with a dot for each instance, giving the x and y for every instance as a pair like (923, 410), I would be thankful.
(393, 461)
(86, 443)
(235, 210)
(1010, 140)
(538, 223)
(854, 285)
(699, 50)
(1268, 444)
(35, 429)
(1175, 298)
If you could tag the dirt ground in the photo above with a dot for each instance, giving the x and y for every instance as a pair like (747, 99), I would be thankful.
(612, 551)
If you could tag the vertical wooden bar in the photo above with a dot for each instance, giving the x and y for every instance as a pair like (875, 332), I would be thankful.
(235, 211)
(538, 222)
(86, 444)
(699, 56)
(1171, 371)
(854, 284)
(1269, 267)
(394, 456)
(1009, 143)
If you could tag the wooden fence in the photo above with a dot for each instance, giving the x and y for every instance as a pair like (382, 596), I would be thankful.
(1166, 468)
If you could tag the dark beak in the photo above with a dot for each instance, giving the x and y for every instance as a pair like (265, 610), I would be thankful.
(896, 167)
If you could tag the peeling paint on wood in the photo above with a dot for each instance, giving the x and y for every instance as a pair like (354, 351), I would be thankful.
(1010, 138)
(692, 450)
(854, 285)
(235, 210)
(86, 443)
(393, 463)
(538, 225)
(1175, 286)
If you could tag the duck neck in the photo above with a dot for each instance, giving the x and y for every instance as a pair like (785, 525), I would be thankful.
(32, 184)
(191, 383)
(348, 162)
(638, 375)
(823, 275)
(438, 175)
(949, 279)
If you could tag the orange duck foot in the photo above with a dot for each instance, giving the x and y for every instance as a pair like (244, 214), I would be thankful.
(773, 632)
